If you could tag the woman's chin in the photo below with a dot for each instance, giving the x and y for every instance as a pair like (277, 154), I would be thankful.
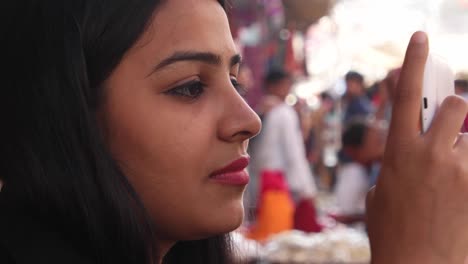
(222, 221)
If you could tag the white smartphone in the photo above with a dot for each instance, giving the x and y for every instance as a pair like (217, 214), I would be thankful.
(437, 85)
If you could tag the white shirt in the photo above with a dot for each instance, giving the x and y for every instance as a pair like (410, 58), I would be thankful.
(281, 147)
(351, 189)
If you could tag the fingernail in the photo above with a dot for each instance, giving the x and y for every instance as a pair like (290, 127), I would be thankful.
(419, 38)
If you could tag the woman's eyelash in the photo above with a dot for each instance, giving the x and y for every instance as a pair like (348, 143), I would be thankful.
(239, 87)
(191, 90)
(196, 88)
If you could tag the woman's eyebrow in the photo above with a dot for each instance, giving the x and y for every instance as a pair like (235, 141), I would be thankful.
(236, 59)
(205, 57)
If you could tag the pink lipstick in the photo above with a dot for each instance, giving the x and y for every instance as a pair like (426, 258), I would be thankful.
(233, 174)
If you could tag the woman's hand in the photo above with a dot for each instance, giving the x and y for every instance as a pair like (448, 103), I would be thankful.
(418, 212)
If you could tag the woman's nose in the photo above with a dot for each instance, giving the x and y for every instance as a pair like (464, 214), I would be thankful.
(239, 122)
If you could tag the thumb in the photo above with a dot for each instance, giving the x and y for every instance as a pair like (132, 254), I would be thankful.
(370, 198)
(369, 203)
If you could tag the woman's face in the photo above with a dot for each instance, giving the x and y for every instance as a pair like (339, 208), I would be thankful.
(173, 118)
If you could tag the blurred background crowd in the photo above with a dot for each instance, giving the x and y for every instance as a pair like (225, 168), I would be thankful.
(321, 75)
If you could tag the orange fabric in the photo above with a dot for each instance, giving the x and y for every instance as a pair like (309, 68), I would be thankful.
(274, 216)
(271, 180)
(275, 209)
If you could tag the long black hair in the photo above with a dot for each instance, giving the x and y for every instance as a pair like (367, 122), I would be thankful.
(53, 160)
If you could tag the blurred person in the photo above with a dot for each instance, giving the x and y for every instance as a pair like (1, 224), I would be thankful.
(320, 139)
(461, 88)
(254, 189)
(356, 103)
(305, 118)
(386, 95)
(384, 109)
(281, 145)
(123, 124)
(267, 103)
(281, 163)
(363, 142)
(373, 93)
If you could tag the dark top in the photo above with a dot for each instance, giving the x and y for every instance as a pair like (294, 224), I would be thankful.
(358, 107)
(24, 240)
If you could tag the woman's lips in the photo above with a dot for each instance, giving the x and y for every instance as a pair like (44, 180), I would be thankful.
(233, 174)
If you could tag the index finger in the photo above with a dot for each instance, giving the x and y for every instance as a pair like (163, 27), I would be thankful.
(407, 103)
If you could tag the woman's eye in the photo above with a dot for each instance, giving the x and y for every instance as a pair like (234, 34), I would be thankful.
(190, 90)
(239, 87)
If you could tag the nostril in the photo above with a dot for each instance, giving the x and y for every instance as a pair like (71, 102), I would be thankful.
(244, 134)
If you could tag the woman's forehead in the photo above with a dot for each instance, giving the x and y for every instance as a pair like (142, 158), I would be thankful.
(181, 25)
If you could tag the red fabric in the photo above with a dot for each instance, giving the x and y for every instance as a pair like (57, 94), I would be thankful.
(272, 180)
(466, 124)
(305, 217)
